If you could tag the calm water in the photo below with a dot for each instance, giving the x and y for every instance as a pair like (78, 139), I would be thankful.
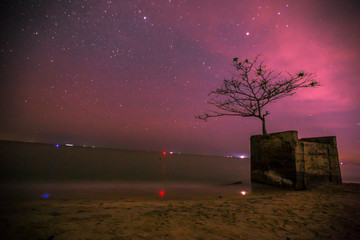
(46, 171)
(21, 162)
(123, 189)
(350, 173)
(43, 170)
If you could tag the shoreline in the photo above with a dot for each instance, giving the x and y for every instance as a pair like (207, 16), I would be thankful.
(323, 212)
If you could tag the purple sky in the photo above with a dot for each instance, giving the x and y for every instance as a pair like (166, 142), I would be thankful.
(133, 74)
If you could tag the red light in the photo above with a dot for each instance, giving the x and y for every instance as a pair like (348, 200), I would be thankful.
(162, 193)
(164, 153)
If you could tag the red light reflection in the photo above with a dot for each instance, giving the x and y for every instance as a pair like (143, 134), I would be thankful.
(162, 193)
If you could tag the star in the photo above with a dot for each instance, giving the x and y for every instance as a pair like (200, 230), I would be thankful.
(103, 71)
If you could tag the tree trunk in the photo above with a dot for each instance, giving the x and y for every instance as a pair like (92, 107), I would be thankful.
(263, 125)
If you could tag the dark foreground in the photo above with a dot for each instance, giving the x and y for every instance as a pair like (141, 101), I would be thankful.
(326, 212)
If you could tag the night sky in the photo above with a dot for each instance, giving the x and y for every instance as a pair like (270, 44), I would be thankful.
(133, 74)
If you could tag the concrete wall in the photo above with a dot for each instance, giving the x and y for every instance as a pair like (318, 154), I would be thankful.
(282, 159)
(321, 159)
(273, 158)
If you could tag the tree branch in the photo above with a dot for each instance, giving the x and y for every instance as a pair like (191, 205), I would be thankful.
(252, 86)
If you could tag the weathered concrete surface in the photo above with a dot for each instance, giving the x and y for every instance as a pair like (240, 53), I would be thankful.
(321, 159)
(282, 159)
(272, 158)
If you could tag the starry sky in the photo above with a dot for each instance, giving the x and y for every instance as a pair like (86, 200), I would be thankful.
(133, 74)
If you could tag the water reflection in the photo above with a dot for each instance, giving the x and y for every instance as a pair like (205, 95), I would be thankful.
(118, 189)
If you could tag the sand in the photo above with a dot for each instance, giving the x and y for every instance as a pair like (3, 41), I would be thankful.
(326, 212)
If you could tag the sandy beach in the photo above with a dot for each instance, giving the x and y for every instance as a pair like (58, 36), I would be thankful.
(326, 212)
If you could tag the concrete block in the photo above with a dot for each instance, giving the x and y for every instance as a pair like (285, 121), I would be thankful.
(282, 159)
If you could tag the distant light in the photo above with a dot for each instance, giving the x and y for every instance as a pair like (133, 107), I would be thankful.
(69, 145)
(57, 145)
(45, 195)
(278, 13)
(247, 33)
(171, 152)
(162, 193)
(242, 156)
(144, 17)
(164, 153)
(342, 163)
(93, 146)
(243, 193)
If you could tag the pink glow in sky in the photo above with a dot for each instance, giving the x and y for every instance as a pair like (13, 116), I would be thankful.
(133, 74)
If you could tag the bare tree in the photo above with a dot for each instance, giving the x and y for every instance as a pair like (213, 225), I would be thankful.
(252, 87)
